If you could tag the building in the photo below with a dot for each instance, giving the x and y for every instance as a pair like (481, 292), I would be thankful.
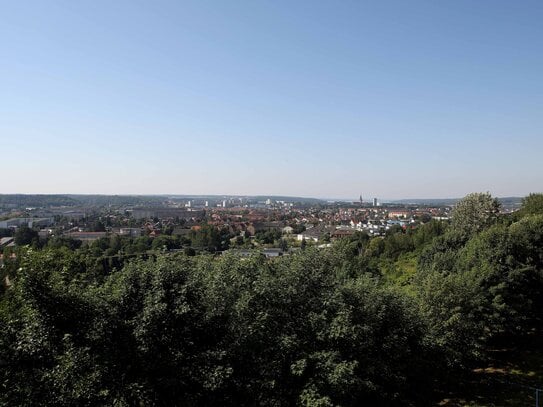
(341, 233)
(86, 237)
(268, 252)
(399, 213)
(7, 242)
(313, 234)
(165, 213)
(375, 202)
(30, 222)
(73, 215)
(266, 226)
(132, 232)
(272, 252)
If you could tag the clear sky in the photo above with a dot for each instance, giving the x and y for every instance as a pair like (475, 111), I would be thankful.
(394, 99)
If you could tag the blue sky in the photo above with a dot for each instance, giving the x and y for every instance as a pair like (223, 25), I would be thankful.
(394, 99)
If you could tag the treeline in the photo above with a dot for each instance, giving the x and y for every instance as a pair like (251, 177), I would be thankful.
(317, 328)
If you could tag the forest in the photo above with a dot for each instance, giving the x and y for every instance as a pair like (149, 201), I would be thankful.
(393, 321)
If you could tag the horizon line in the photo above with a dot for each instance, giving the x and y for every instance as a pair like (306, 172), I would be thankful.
(346, 199)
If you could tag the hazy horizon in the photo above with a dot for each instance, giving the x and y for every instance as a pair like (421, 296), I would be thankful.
(367, 199)
(317, 99)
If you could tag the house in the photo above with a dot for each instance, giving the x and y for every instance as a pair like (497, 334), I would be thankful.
(398, 214)
(341, 233)
(312, 234)
(266, 226)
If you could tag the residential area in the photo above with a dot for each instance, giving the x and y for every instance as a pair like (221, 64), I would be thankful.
(274, 226)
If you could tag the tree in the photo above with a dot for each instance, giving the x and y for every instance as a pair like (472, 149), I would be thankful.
(239, 241)
(98, 226)
(189, 251)
(320, 327)
(165, 243)
(427, 232)
(25, 235)
(455, 310)
(297, 228)
(63, 241)
(474, 213)
(532, 205)
(209, 238)
(487, 287)
(425, 218)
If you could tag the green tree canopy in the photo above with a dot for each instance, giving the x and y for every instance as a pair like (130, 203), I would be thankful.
(25, 235)
(474, 213)
(532, 205)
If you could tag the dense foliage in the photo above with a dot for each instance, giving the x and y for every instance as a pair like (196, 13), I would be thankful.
(365, 322)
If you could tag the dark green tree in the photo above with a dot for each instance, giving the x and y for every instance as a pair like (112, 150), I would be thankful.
(25, 235)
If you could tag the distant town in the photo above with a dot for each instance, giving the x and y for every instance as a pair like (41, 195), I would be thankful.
(240, 224)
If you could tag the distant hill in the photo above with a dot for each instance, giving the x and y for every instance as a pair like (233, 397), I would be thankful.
(424, 201)
(505, 201)
(38, 200)
(20, 200)
(102, 200)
